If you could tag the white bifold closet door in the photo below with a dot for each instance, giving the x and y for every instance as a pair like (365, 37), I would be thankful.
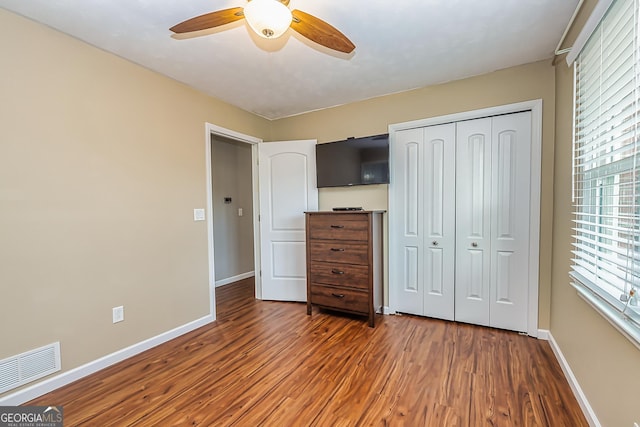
(464, 206)
(492, 221)
(426, 173)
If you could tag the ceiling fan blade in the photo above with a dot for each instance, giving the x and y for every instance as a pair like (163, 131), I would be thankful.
(209, 20)
(317, 30)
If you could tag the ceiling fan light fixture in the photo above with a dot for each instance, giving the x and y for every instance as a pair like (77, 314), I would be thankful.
(268, 18)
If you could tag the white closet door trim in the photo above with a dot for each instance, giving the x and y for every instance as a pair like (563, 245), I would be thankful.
(534, 231)
(535, 106)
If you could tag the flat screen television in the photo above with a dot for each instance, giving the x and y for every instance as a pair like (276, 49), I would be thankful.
(353, 161)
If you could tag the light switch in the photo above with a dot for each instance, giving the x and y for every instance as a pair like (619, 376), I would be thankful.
(240, 212)
(198, 215)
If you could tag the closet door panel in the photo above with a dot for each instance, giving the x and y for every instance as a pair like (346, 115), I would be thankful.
(439, 221)
(473, 221)
(510, 185)
(408, 152)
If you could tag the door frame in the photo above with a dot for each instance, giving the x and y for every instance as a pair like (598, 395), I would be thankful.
(215, 130)
(535, 106)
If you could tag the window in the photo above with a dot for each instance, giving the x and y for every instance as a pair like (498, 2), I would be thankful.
(606, 248)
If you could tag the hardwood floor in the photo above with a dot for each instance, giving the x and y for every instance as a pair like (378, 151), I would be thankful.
(269, 364)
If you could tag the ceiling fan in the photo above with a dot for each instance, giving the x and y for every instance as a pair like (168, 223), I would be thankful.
(270, 19)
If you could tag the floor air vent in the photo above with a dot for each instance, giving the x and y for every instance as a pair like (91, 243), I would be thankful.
(29, 366)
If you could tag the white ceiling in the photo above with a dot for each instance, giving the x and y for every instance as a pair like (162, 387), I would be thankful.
(400, 45)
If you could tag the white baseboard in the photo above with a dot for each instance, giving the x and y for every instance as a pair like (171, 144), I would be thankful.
(234, 278)
(387, 310)
(543, 334)
(50, 384)
(589, 414)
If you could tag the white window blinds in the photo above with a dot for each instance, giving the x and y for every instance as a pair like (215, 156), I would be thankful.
(606, 247)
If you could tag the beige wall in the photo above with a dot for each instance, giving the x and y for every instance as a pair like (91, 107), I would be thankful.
(606, 364)
(523, 83)
(101, 165)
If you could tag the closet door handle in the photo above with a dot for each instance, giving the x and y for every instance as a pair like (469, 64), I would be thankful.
(334, 271)
(337, 226)
(474, 244)
(434, 243)
(337, 295)
(337, 249)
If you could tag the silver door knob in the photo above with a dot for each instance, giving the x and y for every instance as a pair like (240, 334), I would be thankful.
(434, 243)
(474, 244)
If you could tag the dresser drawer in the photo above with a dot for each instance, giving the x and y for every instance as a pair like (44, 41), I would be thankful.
(340, 298)
(339, 227)
(342, 252)
(349, 275)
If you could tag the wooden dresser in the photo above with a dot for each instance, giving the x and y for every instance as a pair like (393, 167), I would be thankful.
(344, 261)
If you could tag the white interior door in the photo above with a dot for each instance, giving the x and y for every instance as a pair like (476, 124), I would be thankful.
(510, 220)
(473, 221)
(287, 172)
(493, 221)
(408, 176)
(439, 221)
(426, 172)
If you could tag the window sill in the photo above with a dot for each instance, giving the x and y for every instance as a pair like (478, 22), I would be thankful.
(617, 320)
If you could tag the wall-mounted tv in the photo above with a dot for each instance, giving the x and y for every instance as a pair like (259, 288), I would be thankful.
(353, 161)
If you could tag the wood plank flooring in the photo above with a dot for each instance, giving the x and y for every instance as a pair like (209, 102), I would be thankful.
(269, 364)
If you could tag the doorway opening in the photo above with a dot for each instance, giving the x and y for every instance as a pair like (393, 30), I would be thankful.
(232, 194)
(232, 203)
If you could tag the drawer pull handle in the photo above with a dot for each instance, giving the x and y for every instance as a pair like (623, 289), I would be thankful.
(337, 226)
(334, 271)
(337, 295)
(337, 249)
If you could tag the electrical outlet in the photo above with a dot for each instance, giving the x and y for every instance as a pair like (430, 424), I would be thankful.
(118, 314)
